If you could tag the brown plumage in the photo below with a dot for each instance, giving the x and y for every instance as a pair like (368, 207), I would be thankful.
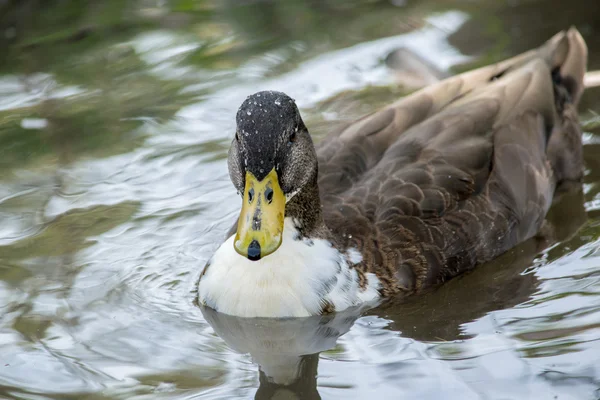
(459, 172)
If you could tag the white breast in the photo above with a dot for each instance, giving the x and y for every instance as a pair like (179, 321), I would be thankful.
(295, 281)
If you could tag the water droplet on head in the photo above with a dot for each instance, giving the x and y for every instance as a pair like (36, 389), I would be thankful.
(262, 170)
(277, 102)
(248, 112)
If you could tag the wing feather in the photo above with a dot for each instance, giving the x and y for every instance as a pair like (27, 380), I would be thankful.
(455, 174)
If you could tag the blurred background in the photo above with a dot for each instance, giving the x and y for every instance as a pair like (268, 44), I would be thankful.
(115, 121)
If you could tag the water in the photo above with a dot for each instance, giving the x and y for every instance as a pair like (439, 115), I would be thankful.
(115, 121)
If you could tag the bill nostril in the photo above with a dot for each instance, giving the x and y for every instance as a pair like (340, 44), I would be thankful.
(269, 195)
(250, 195)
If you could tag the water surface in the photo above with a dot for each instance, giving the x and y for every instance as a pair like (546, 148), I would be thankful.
(115, 121)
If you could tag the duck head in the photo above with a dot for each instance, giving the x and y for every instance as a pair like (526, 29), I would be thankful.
(271, 160)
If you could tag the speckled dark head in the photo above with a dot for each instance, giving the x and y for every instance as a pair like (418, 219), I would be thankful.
(270, 134)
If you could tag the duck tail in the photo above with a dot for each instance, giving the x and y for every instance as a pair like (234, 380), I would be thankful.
(567, 54)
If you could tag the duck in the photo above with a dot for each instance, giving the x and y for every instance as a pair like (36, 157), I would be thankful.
(401, 200)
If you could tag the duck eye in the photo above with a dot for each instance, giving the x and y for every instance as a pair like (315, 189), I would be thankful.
(293, 136)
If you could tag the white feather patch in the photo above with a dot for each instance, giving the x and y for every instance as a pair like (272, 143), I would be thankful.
(295, 281)
(354, 256)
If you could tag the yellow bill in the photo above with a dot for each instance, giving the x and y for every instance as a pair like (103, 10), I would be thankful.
(260, 225)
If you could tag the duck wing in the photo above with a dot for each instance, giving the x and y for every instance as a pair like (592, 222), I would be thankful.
(457, 173)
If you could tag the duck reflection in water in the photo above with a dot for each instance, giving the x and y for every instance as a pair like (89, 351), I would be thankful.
(287, 350)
